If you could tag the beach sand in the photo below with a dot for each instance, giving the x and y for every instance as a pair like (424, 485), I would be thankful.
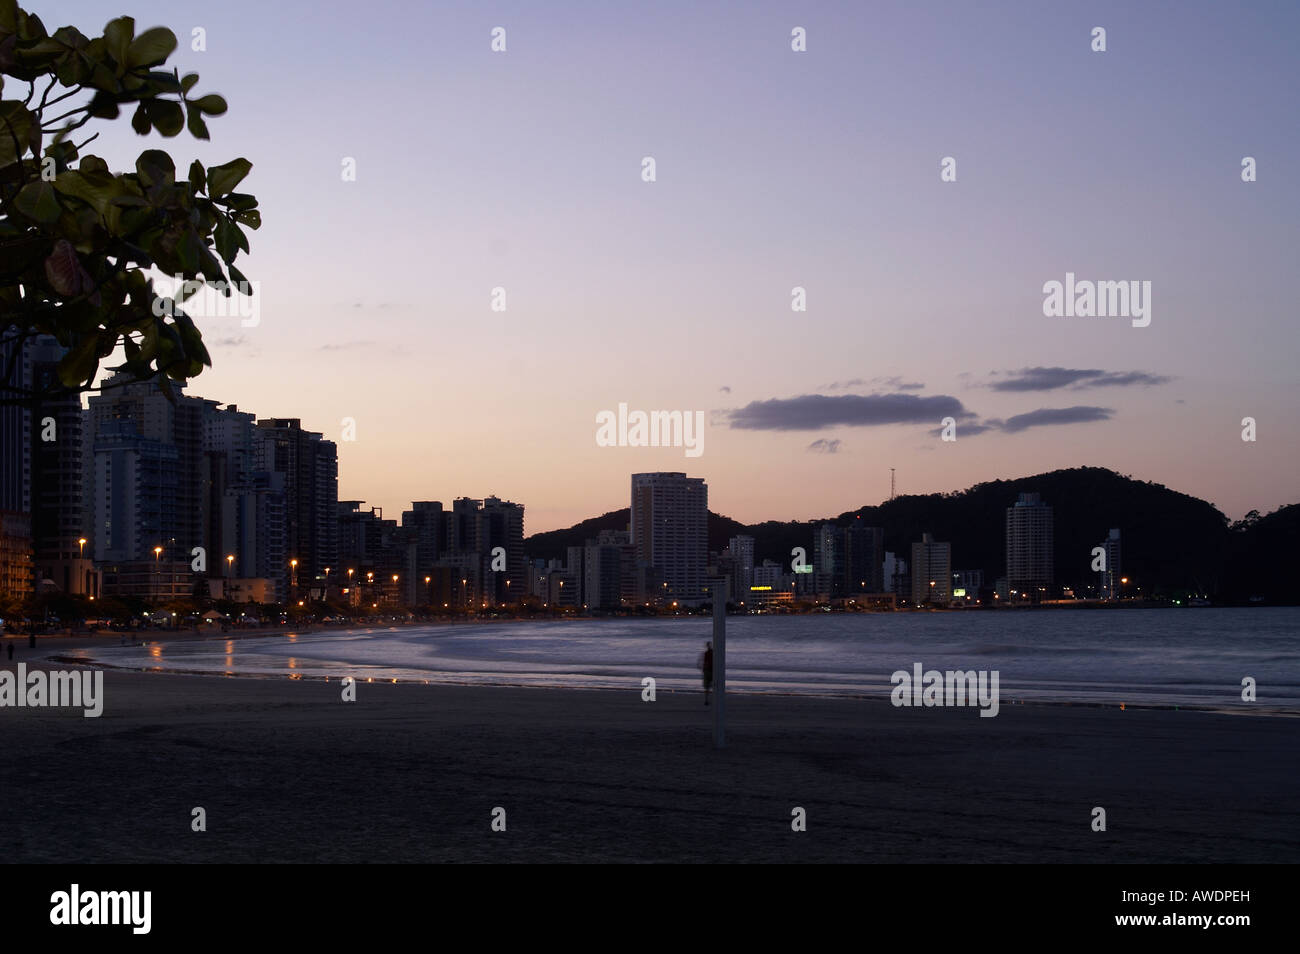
(287, 772)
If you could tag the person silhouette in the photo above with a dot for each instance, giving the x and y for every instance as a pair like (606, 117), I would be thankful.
(706, 669)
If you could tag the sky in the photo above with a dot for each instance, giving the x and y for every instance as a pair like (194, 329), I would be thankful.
(774, 169)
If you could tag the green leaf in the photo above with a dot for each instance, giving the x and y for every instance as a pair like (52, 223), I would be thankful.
(155, 166)
(212, 104)
(78, 365)
(166, 116)
(223, 179)
(140, 120)
(117, 37)
(151, 47)
(37, 201)
(14, 116)
(197, 177)
(96, 189)
(198, 128)
(252, 218)
(103, 106)
(226, 240)
(188, 81)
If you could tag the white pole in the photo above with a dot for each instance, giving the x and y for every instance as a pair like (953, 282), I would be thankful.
(720, 664)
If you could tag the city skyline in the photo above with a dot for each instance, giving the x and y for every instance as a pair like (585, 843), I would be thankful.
(776, 170)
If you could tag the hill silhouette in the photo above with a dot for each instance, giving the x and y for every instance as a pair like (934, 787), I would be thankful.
(1173, 545)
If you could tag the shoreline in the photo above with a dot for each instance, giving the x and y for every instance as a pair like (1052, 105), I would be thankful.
(445, 678)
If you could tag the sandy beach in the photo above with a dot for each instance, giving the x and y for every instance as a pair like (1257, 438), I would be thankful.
(288, 772)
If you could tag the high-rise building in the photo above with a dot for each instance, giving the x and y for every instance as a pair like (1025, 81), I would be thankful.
(149, 468)
(609, 571)
(501, 528)
(42, 486)
(1108, 583)
(426, 522)
(741, 550)
(931, 571)
(16, 427)
(63, 557)
(309, 464)
(253, 532)
(1029, 548)
(15, 555)
(897, 578)
(848, 560)
(670, 526)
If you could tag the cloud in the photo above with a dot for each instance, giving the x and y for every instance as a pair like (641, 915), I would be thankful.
(725, 389)
(1077, 379)
(1045, 416)
(811, 412)
(823, 446)
(894, 382)
(1022, 422)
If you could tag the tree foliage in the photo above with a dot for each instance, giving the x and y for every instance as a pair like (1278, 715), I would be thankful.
(76, 239)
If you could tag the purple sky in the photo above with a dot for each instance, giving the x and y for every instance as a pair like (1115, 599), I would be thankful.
(775, 169)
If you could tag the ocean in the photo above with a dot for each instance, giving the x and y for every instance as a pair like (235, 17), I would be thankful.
(1177, 657)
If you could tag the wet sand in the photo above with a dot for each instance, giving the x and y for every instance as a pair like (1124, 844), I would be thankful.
(288, 772)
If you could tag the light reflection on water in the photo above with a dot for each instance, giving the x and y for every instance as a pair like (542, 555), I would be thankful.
(1174, 656)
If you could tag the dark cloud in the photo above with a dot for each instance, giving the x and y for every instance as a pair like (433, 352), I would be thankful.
(1045, 416)
(811, 412)
(725, 389)
(824, 446)
(970, 429)
(1077, 379)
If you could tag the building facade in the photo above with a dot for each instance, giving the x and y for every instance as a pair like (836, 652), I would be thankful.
(1030, 571)
(669, 528)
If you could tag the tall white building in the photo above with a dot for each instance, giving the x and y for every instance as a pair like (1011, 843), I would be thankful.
(931, 571)
(1109, 577)
(670, 531)
(1029, 548)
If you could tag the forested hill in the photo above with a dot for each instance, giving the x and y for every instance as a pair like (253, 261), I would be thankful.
(1172, 543)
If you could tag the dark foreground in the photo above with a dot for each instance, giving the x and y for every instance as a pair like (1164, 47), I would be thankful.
(286, 771)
